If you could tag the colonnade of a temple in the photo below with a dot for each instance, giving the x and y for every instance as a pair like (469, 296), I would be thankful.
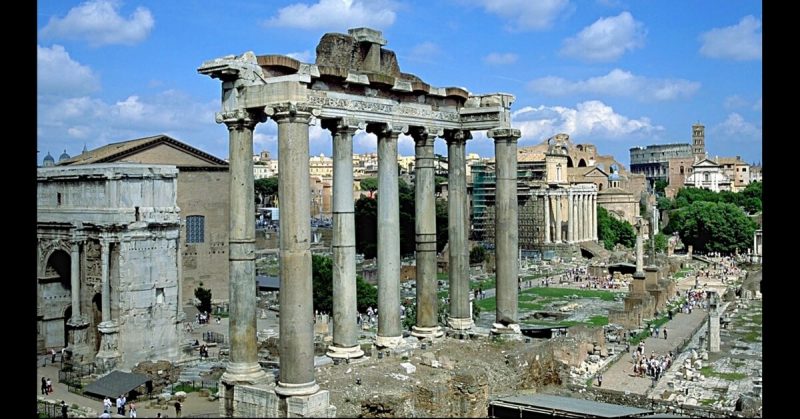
(296, 310)
(575, 207)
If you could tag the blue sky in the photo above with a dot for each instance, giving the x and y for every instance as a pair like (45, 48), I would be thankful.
(614, 73)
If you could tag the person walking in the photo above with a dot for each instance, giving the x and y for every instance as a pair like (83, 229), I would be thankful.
(64, 409)
(599, 380)
(177, 408)
(44, 385)
(665, 333)
(49, 385)
(133, 410)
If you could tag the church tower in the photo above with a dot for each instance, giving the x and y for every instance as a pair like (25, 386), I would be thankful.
(698, 141)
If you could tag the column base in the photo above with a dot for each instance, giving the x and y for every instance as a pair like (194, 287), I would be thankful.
(499, 329)
(427, 332)
(304, 389)
(263, 401)
(346, 353)
(244, 373)
(460, 324)
(106, 361)
(388, 341)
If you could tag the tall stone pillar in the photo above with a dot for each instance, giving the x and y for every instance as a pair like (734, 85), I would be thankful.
(78, 325)
(460, 316)
(593, 212)
(296, 295)
(573, 212)
(506, 228)
(243, 367)
(389, 332)
(108, 355)
(425, 228)
(639, 249)
(584, 217)
(557, 219)
(546, 199)
(345, 326)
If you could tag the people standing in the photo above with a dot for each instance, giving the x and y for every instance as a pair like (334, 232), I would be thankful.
(49, 385)
(64, 409)
(44, 385)
(133, 410)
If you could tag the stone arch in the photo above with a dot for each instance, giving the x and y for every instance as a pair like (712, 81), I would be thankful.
(46, 249)
(54, 298)
(581, 163)
(569, 162)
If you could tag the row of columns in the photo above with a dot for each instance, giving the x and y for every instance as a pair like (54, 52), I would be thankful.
(296, 310)
(581, 217)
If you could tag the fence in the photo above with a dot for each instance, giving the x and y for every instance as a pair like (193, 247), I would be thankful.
(214, 337)
(193, 385)
(48, 410)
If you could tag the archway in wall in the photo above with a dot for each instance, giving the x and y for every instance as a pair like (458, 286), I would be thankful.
(569, 162)
(581, 163)
(55, 290)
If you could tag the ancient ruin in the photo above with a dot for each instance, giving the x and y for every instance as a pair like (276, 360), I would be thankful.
(108, 263)
(354, 83)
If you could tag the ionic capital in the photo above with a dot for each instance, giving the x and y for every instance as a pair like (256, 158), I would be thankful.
(383, 130)
(342, 126)
(504, 134)
(457, 136)
(423, 136)
(292, 112)
(239, 119)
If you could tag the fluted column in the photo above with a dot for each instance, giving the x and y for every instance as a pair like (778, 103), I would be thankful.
(460, 316)
(345, 325)
(425, 228)
(546, 199)
(105, 283)
(243, 365)
(584, 217)
(593, 212)
(108, 355)
(296, 295)
(572, 211)
(389, 331)
(506, 227)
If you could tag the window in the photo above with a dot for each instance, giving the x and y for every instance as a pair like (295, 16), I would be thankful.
(195, 229)
(159, 295)
(58, 198)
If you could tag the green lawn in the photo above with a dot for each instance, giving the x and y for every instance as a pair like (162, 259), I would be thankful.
(561, 293)
(729, 376)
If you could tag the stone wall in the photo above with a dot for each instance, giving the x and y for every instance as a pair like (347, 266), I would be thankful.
(205, 193)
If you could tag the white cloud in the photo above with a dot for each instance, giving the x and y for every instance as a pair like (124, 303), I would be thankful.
(733, 102)
(757, 106)
(618, 83)
(428, 52)
(303, 56)
(738, 42)
(335, 15)
(99, 23)
(169, 112)
(528, 14)
(606, 39)
(364, 142)
(500, 58)
(58, 74)
(735, 127)
(588, 119)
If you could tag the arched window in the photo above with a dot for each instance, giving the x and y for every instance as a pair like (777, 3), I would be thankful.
(681, 169)
(558, 173)
(706, 177)
(195, 229)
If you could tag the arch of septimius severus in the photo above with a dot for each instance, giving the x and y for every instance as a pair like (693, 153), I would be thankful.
(354, 84)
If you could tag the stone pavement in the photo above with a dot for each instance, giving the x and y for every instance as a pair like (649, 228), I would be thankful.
(620, 375)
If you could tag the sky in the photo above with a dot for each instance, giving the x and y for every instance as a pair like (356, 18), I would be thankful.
(614, 73)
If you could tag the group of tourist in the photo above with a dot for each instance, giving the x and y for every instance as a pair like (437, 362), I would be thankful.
(121, 404)
(653, 366)
(47, 385)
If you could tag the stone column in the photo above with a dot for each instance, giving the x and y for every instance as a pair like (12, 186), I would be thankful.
(107, 357)
(296, 294)
(345, 326)
(425, 228)
(389, 332)
(639, 249)
(572, 211)
(460, 316)
(506, 228)
(243, 365)
(593, 212)
(584, 218)
(557, 218)
(75, 284)
(546, 199)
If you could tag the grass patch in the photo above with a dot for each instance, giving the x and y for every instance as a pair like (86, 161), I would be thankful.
(752, 336)
(757, 319)
(707, 402)
(487, 304)
(185, 388)
(532, 306)
(728, 376)
(564, 292)
(682, 273)
(598, 321)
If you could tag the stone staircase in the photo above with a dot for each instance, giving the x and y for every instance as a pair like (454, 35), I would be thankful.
(194, 373)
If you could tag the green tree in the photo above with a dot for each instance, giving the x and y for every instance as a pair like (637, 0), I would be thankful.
(266, 188)
(612, 231)
(441, 224)
(322, 277)
(366, 216)
(408, 235)
(660, 185)
(712, 227)
(664, 204)
(204, 295)
(477, 254)
(661, 243)
(369, 184)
